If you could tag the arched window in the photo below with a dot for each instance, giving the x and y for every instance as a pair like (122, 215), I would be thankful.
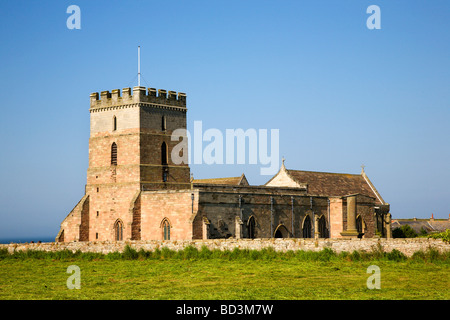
(163, 123)
(166, 229)
(323, 228)
(164, 154)
(379, 220)
(114, 154)
(281, 232)
(307, 227)
(118, 230)
(359, 226)
(114, 123)
(251, 227)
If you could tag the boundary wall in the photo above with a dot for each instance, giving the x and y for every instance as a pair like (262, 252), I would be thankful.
(406, 246)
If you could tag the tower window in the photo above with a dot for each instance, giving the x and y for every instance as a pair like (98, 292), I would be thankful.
(164, 154)
(114, 123)
(163, 123)
(114, 154)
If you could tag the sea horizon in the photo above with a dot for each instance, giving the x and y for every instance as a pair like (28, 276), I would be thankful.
(26, 239)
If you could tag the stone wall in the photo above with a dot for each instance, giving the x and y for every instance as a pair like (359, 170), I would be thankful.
(175, 206)
(406, 246)
(271, 208)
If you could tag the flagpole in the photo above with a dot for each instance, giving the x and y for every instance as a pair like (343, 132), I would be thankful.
(139, 66)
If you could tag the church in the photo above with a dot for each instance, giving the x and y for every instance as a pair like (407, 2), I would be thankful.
(134, 190)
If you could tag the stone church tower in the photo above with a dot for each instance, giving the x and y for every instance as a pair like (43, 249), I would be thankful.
(129, 151)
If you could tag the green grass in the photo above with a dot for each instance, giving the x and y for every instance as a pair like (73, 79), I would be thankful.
(238, 274)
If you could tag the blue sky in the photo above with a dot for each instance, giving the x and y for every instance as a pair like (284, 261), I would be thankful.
(340, 94)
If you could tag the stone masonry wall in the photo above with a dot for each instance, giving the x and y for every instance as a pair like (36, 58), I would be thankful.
(406, 246)
(175, 206)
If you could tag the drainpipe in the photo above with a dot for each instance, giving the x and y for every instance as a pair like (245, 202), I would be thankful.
(240, 206)
(271, 217)
(313, 217)
(329, 221)
(292, 216)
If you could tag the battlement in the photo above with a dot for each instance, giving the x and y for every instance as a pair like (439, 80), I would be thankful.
(137, 95)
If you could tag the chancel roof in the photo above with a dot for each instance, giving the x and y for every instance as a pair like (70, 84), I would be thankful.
(327, 183)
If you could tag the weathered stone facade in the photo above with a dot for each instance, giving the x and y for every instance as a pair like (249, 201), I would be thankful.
(128, 135)
(135, 191)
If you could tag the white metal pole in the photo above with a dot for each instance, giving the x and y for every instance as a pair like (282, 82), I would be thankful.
(139, 66)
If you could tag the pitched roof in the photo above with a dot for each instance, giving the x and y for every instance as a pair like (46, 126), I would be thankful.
(335, 184)
(431, 225)
(235, 181)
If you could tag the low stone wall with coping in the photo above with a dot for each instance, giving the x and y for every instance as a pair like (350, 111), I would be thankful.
(406, 246)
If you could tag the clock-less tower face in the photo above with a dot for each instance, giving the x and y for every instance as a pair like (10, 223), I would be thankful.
(130, 140)
(130, 149)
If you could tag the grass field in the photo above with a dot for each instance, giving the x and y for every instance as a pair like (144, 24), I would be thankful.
(241, 275)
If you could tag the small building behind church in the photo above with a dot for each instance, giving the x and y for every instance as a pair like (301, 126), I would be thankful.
(135, 191)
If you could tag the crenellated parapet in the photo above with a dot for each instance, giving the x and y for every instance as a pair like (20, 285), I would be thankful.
(137, 95)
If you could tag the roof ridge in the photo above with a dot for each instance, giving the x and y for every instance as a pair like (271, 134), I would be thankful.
(337, 173)
(374, 190)
(219, 178)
